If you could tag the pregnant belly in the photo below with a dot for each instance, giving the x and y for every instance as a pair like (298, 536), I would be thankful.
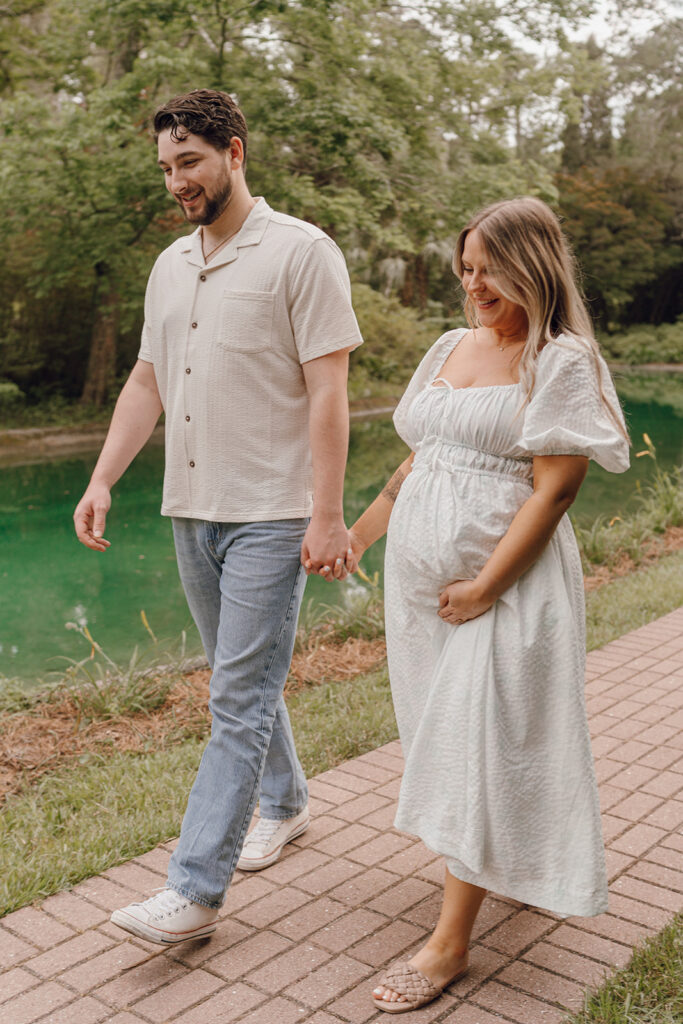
(446, 525)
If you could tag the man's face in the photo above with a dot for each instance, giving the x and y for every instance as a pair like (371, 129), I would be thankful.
(198, 176)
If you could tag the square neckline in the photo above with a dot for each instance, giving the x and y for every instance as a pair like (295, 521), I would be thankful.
(465, 387)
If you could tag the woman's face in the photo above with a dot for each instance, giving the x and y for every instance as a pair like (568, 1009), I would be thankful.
(494, 310)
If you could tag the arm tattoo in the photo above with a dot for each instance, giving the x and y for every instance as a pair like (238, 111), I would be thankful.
(390, 491)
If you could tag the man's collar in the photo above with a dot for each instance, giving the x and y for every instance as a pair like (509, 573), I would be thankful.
(250, 233)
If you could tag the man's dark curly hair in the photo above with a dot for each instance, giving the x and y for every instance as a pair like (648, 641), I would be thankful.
(213, 115)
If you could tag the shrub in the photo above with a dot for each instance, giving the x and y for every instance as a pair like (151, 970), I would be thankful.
(646, 343)
(11, 396)
(396, 337)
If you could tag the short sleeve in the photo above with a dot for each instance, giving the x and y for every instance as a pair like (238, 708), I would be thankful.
(425, 373)
(145, 352)
(320, 309)
(574, 409)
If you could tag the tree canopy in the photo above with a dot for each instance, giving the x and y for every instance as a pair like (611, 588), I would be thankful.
(386, 123)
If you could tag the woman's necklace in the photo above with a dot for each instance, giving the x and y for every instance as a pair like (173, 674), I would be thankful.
(501, 348)
(208, 255)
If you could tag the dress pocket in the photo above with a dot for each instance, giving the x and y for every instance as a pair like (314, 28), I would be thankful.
(245, 321)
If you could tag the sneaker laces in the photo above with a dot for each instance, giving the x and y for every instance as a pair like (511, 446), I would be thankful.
(263, 831)
(167, 901)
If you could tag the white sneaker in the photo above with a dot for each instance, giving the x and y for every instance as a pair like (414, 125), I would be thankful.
(166, 918)
(264, 843)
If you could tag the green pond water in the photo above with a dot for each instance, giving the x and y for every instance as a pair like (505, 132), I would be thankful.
(47, 579)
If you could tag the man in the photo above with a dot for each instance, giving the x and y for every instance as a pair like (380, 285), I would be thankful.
(248, 326)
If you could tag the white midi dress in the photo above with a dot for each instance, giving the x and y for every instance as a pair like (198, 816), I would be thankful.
(499, 774)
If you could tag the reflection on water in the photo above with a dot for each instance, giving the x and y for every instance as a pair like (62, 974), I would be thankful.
(47, 579)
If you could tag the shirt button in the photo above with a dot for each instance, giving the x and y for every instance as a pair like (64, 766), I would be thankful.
(202, 277)
(188, 370)
(194, 324)
(192, 465)
(187, 419)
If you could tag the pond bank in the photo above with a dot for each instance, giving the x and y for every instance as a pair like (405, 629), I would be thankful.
(24, 445)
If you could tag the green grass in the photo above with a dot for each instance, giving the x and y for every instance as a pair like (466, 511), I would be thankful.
(648, 991)
(80, 820)
(634, 600)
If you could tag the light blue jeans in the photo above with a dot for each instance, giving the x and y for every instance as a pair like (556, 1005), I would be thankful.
(243, 583)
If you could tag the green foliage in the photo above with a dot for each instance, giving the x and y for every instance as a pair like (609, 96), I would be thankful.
(362, 615)
(659, 506)
(11, 397)
(621, 190)
(646, 343)
(396, 337)
(102, 689)
(385, 127)
(618, 223)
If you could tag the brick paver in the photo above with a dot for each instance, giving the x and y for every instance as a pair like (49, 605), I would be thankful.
(304, 940)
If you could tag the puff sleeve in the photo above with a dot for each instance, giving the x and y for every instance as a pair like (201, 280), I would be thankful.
(567, 414)
(425, 373)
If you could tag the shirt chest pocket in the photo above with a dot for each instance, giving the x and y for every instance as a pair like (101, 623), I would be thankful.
(245, 321)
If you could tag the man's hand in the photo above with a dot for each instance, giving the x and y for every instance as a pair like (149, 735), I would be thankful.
(325, 547)
(461, 601)
(90, 517)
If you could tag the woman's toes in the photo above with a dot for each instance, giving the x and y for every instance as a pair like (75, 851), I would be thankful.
(387, 994)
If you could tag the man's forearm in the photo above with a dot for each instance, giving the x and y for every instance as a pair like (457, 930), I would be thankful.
(135, 415)
(329, 441)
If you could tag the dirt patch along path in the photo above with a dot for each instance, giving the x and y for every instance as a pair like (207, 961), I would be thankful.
(664, 544)
(58, 731)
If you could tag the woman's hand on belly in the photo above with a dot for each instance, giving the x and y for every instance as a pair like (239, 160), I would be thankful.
(461, 601)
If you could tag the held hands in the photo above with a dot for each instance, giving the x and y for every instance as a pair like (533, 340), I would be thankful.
(90, 517)
(325, 547)
(329, 552)
(461, 601)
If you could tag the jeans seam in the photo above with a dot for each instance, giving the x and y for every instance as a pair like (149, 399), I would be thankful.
(264, 750)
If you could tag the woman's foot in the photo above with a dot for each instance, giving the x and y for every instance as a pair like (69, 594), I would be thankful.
(440, 965)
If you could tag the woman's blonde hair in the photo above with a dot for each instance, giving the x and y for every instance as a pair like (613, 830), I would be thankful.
(533, 267)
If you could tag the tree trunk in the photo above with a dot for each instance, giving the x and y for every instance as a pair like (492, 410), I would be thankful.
(101, 373)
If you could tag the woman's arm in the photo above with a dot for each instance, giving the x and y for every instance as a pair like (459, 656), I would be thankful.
(557, 479)
(374, 521)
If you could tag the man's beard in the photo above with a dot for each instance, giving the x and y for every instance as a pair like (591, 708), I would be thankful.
(213, 205)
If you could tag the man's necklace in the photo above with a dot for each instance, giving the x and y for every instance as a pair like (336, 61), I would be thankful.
(208, 255)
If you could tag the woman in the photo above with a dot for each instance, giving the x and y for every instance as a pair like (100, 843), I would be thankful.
(484, 591)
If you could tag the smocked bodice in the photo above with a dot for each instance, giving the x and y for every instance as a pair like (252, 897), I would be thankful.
(470, 430)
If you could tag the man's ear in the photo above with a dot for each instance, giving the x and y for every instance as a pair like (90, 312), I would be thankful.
(236, 151)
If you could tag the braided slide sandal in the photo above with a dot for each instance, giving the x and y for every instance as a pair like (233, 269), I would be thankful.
(415, 987)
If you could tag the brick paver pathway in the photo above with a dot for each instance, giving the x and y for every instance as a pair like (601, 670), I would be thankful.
(304, 940)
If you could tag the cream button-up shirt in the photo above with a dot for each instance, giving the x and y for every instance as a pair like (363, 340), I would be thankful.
(227, 340)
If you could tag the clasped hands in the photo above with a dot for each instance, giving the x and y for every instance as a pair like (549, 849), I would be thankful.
(327, 551)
